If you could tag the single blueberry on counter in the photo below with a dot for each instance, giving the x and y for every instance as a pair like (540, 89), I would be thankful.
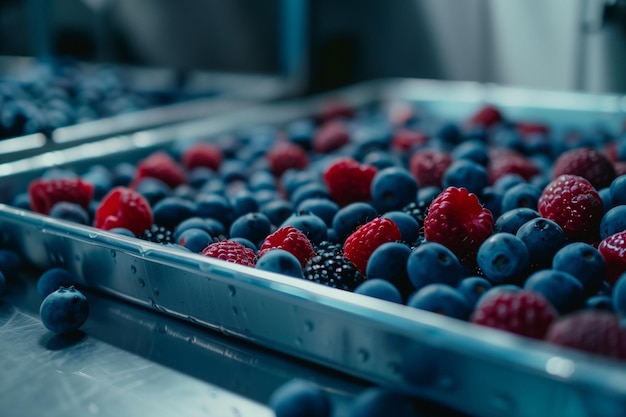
(64, 310)
(299, 398)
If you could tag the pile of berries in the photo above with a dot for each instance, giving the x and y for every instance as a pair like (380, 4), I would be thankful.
(498, 222)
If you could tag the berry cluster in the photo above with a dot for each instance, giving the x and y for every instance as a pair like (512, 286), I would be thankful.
(488, 220)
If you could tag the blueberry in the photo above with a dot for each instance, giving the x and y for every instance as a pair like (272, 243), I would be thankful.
(618, 191)
(350, 217)
(520, 196)
(69, 211)
(292, 179)
(194, 223)
(215, 206)
(122, 231)
(467, 174)
(153, 190)
(495, 290)
(584, 262)
(393, 188)
(510, 221)
(301, 133)
(52, 279)
(428, 194)
(277, 210)
(450, 133)
(432, 262)
(199, 176)
(506, 181)
(254, 226)
(184, 191)
(388, 261)
(473, 288)
(605, 196)
(381, 402)
(64, 310)
(619, 295)
(543, 238)
(194, 239)
(442, 299)
(599, 302)
(562, 290)
(472, 150)
(262, 180)
(309, 224)
(321, 207)
(10, 262)
(314, 189)
(245, 242)
(280, 261)
(381, 160)
(379, 288)
(243, 202)
(298, 398)
(232, 170)
(491, 198)
(3, 283)
(613, 221)
(171, 211)
(21, 200)
(101, 179)
(503, 258)
(409, 227)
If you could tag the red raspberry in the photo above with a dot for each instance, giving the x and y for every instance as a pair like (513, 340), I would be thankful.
(348, 181)
(401, 113)
(330, 136)
(335, 109)
(613, 250)
(405, 139)
(457, 220)
(427, 166)
(592, 331)
(284, 156)
(587, 163)
(572, 203)
(202, 155)
(507, 161)
(124, 207)
(521, 312)
(161, 166)
(487, 117)
(231, 251)
(360, 245)
(292, 240)
(530, 128)
(46, 193)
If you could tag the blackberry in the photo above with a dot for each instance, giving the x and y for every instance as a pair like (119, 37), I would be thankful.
(329, 267)
(417, 210)
(157, 234)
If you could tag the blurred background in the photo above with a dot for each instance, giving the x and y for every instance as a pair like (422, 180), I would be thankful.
(555, 44)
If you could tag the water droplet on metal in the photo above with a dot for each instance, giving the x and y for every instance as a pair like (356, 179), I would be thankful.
(363, 355)
(309, 326)
(298, 341)
(93, 235)
(156, 292)
(235, 310)
(394, 368)
(113, 254)
(232, 290)
(142, 283)
(133, 269)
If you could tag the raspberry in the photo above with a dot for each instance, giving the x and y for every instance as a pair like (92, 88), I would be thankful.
(487, 117)
(124, 207)
(529, 128)
(592, 331)
(161, 166)
(202, 155)
(335, 109)
(507, 161)
(330, 136)
(46, 193)
(613, 250)
(329, 267)
(572, 203)
(292, 240)
(284, 156)
(348, 181)
(521, 312)
(587, 163)
(360, 245)
(457, 220)
(231, 251)
(428, 166)
(405, 139)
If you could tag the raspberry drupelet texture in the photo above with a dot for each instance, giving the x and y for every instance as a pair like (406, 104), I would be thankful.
(162, 166)
(360, 245)
(284, 156)
(292, 240)
(588, 163)
(44, 194)
(231, 251)
(204, 155)
(428, 166)
(126, 208)
(507, 161)
(613, 250)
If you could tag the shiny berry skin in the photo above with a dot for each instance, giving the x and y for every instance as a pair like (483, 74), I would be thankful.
(521, 312)
(64, 310)
(428, 166)
(124, 207)
(584, 262)
(52, 279)
(510, 221)
(291, 240)
(162, 166)
(457, 220)
(575, 205)
(591, 331)
(46, 193)
(588, 163)
(393, 188)
(379, 288)
(503, 258)
(613, 221)
(543, 238)
(349, 218)
(231, 251)
(487, 116)
(284, 156)
(619, 295)
(253, 226)
(297, 398)
(360, 245)
(279, 261)
(348, 181)
(72, 212)
(204, 155)
(473, 288)
(441, 299)
(467, 174)
(613, 250)
(520, 196)
(331, 136)
(432, 262)
(562, 290)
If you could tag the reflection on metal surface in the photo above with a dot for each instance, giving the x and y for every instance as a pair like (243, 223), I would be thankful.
(560, 367)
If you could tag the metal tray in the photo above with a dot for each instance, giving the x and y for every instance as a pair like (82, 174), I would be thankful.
(476, 370)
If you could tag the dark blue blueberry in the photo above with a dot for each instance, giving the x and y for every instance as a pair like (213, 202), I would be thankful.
(262, 180)
(393, 188)
(510, 221)
(277, 210)
(388, 261)
(428, 194)
(584, 262)
(185, 191)
(562, 290)
(619, 295)
(432, 262)
(281, 262)
(171, 211)
(52, 279)
(467, 174)
(503, 258)
(321, 207)
(520, 196)
(21, 200)
(64, 310)
(382, 402)
(409, 227)
(296, 395)
(263, 197)
(194, 239)
(213, 186)
(199, 176)
(599, 302)
(369, 137)
(381, 160)
(442, 299)
(193, 223)
(309, 224)
(10, 262)
(472, 150)
(450, 133)
(613, 221)
(301, 133)
(292, 179)
(72, 212)
(605, 196)
(122, 231)
(252, 226)
(491, 199)
(350, 217)
(507, 181)
(618, 191)
(153, 190)
(232, 170)
(473, 288)
(381, 289)
(243, 202)
(543, 238)
(245, 242)
(315, 189)
(101, 179)
(214, 206)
